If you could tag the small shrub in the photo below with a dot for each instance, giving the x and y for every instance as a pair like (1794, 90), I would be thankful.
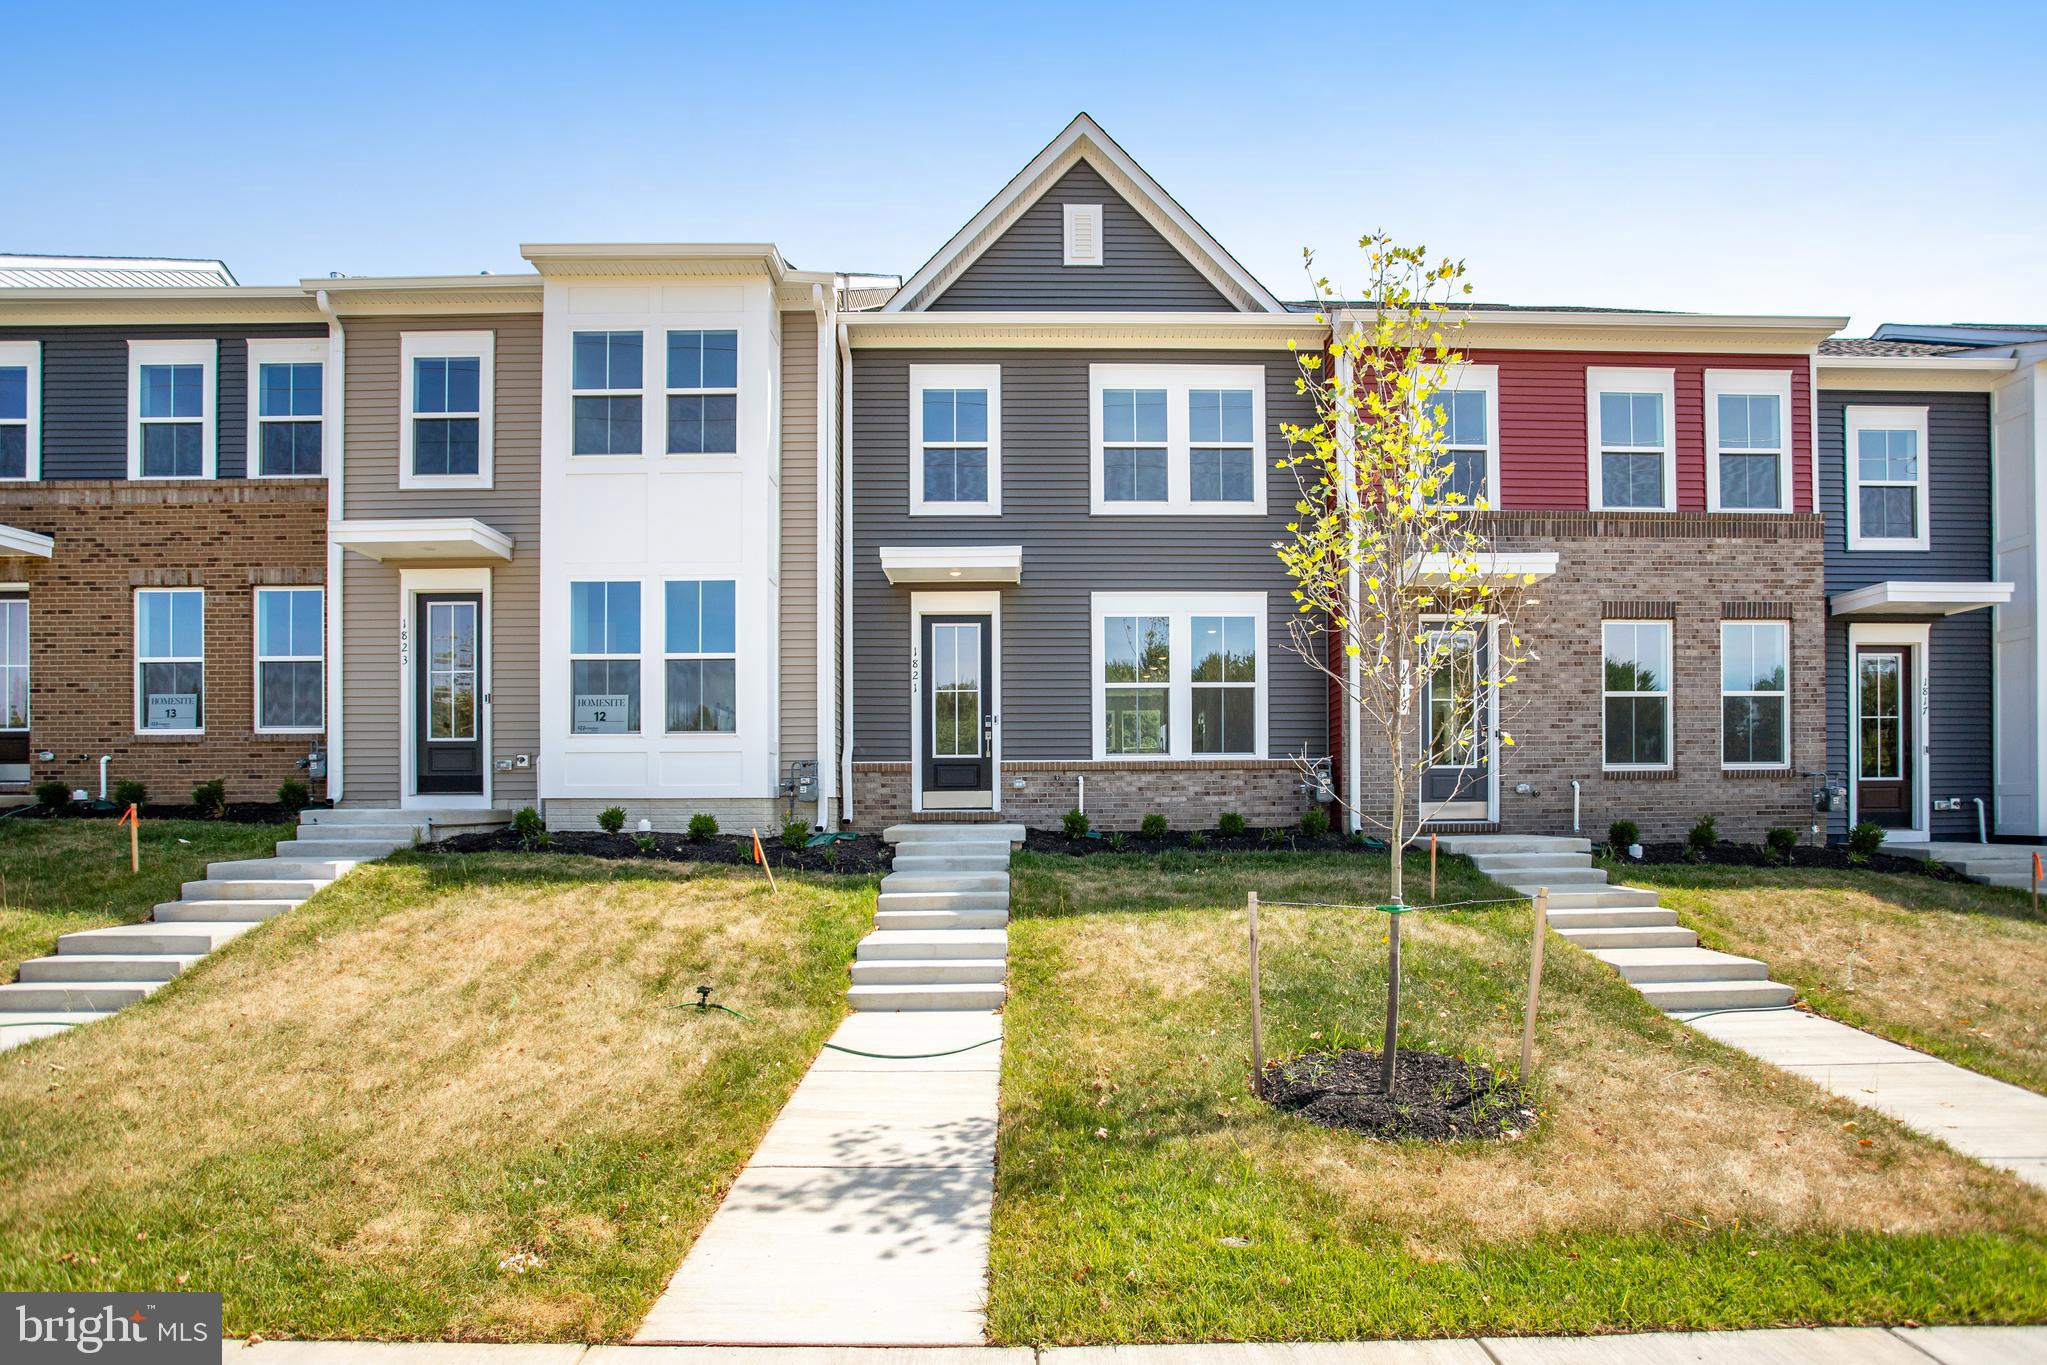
(796, 834)
(830, 853)
(1230, 825)
(294, 795)
(1703, 836)
(530, 828)
(1622, 835)
(211, 798)
(1782, 841)
(130, 793)
(1274, 835)
(1154, 826)
(1865, 839)
(1197, 840)
(611, 819)
(1075, 824)
(54, 794)
(1117, 841)
(702, 826)
(644, 842)
(1314, 822)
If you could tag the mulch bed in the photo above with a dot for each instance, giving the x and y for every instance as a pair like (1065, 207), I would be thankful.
(1436, 1098)
(864, 855)
(1291, 840)
(238, 812)
(1831, 857)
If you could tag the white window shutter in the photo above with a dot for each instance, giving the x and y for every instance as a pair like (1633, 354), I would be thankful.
(1083, 234)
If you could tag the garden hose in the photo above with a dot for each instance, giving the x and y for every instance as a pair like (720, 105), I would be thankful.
(704, 1005)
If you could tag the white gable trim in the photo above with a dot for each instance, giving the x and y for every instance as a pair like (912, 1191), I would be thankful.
(1084, 140)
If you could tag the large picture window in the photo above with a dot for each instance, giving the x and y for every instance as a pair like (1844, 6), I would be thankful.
(1755, 688)
(287, 401)
(1179, 675)
(1637, 694)
(703, 393)
(290, 659)
(1887, 478)
(604, 658)
(607, 372)
(170, 659)
(170, 409)
(955, 440)
(1629, 417)
(1748, 455)
(701, 645)
(447, 399)
(1177, 439)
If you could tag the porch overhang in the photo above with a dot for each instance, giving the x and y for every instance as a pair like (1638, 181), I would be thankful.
(943, 564)
(1896, 597)
(1509, 566)
(16, 543)
(432, 540)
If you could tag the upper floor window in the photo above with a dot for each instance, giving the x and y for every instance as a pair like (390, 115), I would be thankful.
(1748, 461)
(1177, 439)
(1755, 690)
(1633, 464)
(701, 646)
(1636, 690)
(21, 409)
(703, 393)
(608, 372)
(291, 680)
(1887, 478)
(955, 440)
(1464, 410)
(1179, 675)
(170, 659)
(604, 658)
(447, 404)
(170, 406)
(288, 400)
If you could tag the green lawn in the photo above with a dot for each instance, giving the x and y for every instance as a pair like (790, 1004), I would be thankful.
(1142, 1195)
(59, 876)
(1952, 968)
(446, 1098)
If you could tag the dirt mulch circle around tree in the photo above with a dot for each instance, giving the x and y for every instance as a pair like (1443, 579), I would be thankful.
(1830, 857)
(1436, 1098)
(861, 856)
(237, 812)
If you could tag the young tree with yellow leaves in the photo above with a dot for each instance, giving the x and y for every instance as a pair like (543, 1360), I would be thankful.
(1397, 584)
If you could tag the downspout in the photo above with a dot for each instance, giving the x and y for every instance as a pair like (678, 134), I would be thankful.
(1996, 640)
(845, 348)
(827, 566)
(335, 397)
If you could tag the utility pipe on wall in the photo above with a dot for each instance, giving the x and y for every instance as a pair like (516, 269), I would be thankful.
(109, 758)
(1081, 778)
(1577, 788)
(1982, 824)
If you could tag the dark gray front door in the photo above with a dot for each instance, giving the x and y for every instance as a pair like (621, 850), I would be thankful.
(959, 729)
(448, 698)
(1454, 731)
(1883, 719)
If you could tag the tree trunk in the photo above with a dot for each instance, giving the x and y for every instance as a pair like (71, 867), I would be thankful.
(1390, 1052)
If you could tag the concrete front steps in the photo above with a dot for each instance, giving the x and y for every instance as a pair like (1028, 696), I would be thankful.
(1623, 926)
(941, 937)
(97, 971)
(1991, 864)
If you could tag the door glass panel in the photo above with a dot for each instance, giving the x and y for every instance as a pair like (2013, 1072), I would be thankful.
(1451, 716)
(13, 663)
(956, 690)
(451, 670)
(1879, 679)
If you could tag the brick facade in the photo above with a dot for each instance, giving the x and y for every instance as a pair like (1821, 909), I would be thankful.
(113, 537)
(1189, 793)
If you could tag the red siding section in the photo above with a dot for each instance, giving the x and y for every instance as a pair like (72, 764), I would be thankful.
(1543, 461)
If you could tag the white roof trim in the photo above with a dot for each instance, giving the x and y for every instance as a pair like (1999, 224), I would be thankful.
(1434, 570)
(1995, 364)
(1900, 598)
(1083, 139)
(952, 563)
(405, 539)
(16, 543)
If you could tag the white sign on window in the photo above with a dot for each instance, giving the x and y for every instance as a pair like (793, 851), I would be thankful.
(598, 715)
(171, 711)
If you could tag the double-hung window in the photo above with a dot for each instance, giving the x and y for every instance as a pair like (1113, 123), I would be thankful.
(291, 676)
(1637, 694)
(955, 440)
(170, 406)
(1748, 458)
(1755, 694)
(447, 401)
(1177, 439)
(287, 400)
(1628, 415)
(21, 409)
(608, 372)
(1464, 412)
(1887, 478)
(703, 393)
(604, 658)
(1179, 675)
(701, 649)
(170, 659)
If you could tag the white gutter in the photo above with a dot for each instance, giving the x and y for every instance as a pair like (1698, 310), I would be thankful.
(846, 571)
(1991, 364)
(335, 386)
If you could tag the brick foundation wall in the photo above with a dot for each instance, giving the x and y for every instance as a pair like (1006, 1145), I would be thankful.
(112, 537)
(1191, 794)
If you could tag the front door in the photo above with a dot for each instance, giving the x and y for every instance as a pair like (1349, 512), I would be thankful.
(447, 710)
(1883, 720)
(1453, 732)
(14, 742)
(959, 731)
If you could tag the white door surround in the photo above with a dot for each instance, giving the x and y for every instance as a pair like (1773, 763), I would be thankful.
(1917, 636)
(924, 604)
(411, 583)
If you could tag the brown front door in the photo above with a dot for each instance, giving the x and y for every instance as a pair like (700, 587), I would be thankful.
(1883, 720)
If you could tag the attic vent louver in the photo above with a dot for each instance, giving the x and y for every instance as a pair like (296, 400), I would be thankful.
(1083, 234)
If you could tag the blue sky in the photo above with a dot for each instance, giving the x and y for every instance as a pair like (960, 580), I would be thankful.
(1877, 160)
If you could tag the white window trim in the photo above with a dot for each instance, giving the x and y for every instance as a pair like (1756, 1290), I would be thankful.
(1181, 608)
(639, 393)
(1784, 730)
(453, 345)
(202, 353)
(135, 673)
(1630, 379)
(1069, 213)
(1178, 381)
(1772, 383)
(987, 377)
(1668, 694)
(268, 352)
(259, 658)
(1855, 420)
(688, 737)
(28, 354)
(738, 408)
(641, 730)
(1465, 377)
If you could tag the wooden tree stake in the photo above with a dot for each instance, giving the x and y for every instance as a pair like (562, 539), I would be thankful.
(2036, 883)
(1432, 869)
(1534, 985)
(1257, 1020)
(760, 856)
(133, 820)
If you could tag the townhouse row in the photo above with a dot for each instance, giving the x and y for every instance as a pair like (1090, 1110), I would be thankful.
(682, 528)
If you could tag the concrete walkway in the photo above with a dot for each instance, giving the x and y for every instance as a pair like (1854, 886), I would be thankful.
(1998, 1124)
(863, 1218)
